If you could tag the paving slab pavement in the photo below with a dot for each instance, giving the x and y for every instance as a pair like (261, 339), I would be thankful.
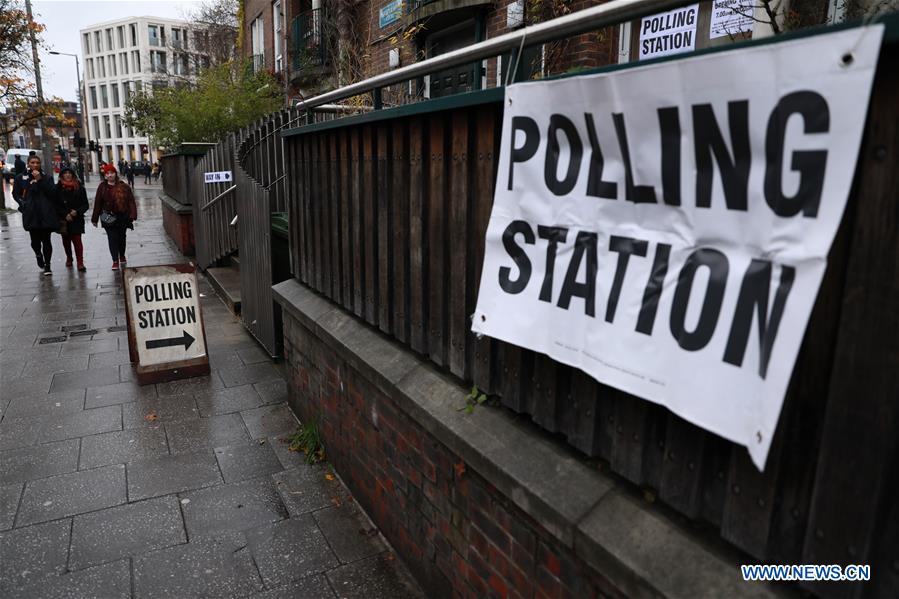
(181, 489)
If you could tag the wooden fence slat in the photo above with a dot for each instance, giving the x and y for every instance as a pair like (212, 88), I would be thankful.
(418, 248)
(358, 226)
(627, 442)
(323, 173)
(544, 395)
(336, 219)
(371, 225)
(457, 288)
(481, 355)
(437, 208)
(584, 428)
(399, 197)
(346, 227)
(682, 474)
(384, 265)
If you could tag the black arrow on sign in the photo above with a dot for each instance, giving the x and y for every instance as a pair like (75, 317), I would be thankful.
(187, 340)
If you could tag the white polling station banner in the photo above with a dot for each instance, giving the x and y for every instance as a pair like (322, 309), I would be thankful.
(666, 228)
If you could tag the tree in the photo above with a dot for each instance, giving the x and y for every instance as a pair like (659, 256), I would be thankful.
(18, 98)
(224, 98)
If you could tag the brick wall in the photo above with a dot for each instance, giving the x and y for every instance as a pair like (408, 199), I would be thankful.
(179, 228)
(457, 533)
(263, 10)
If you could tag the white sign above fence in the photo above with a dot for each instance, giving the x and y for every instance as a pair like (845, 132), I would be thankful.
(669, 239)
(669, 32)
(218, 177)
(731, 17)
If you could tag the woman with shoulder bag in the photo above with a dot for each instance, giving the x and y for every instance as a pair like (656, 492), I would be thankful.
(116, 209)
(73, 197)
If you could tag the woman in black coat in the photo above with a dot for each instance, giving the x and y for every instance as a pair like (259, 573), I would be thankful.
(41, 212)
(73, 198)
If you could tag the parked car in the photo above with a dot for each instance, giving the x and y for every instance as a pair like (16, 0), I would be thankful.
(9, 166)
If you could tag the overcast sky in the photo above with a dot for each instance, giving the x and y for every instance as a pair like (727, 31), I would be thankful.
(64, 18)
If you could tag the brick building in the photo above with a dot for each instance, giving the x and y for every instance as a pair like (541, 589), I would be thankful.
(313, 45)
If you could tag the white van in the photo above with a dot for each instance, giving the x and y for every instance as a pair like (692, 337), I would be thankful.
(9, 166)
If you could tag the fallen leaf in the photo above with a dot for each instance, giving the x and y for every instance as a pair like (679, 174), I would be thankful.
(151, 417)
(329, 476)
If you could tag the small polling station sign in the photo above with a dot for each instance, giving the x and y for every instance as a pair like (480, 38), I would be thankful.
(165, 326)
(218, 177)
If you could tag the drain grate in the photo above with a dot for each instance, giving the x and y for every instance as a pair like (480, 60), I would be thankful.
(86, 333)
(72, 327)
(118, 329)
(44, 340)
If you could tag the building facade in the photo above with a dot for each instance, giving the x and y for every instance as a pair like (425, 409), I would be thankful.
(317, 45)
(126, 56)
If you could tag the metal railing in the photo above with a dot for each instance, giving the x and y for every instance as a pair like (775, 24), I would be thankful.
(582, 21)
(310, 40)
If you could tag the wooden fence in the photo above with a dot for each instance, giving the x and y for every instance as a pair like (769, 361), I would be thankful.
(388, 213)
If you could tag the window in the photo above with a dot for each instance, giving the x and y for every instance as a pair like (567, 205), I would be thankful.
(138, 86)
(115, 95)
(257, 43)
(121, 35)
(135, 61)
(153, 32)
(126, 90)
(177, 38)
(157, 61)
(107, 128)
(90, 68)
(123, 63)
(133, 29)
(118, 126)
(96, 126)
(180, 64)
(101, 67)
(104, 99)
(87, 43)
(98, 44)
(111, 60)
(276, 28)
(93, 97)
(109, 44)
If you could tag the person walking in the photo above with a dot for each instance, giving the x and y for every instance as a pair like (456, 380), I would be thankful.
(19, 166)
(129, 174)
(35, 194)
(156, 171)
(73, 197)
(148, 171)
(115, 208)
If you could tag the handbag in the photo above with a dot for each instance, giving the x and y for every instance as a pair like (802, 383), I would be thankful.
(107, 218)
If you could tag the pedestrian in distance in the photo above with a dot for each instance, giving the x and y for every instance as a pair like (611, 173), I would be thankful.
(73, 197)
(156, 172)
(19, 166)
(35, 194)
(129, 174)
(148, 172)
(116, 210)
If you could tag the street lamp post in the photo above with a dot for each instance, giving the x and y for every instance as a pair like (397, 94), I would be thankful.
(84, 124)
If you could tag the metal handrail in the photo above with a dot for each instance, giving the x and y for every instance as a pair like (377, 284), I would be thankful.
(218, 197)
(582, 21)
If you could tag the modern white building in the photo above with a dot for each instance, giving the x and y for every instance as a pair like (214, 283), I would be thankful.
(124, 56)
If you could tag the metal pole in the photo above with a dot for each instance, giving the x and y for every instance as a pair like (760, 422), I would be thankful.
(45, 150)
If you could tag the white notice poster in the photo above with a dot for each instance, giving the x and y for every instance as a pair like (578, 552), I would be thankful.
(667, 236)
(670, 32)
(731, 17)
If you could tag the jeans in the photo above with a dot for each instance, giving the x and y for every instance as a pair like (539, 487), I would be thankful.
(40, 243)
(116, 238)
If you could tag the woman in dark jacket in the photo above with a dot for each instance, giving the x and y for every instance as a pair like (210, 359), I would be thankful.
(73, 197)
(41, 211)
(115, 207)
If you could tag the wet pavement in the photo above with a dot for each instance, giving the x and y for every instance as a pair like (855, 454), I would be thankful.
(180, 489)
